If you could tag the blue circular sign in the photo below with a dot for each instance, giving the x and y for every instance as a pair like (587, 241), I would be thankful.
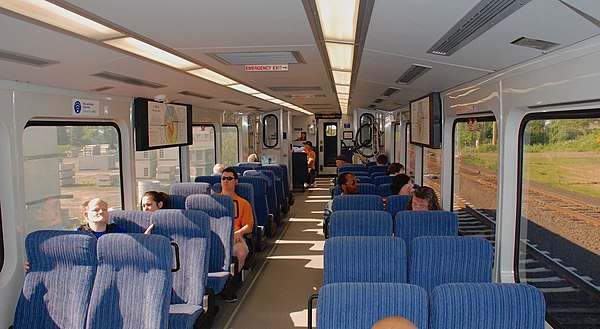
(77, 107)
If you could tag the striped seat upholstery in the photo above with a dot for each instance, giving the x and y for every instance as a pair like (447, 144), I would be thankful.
(374, 169)
(384, 190)
(487, 305)
(351, 168)
(360, 223)
(363, 188)
(261, 202)
(213, 179)
(383, 179)
(364, 259)
(133, 270)
(396, 203)
(58, 259)
(179, 191)
(411, 224)
(360, 305)
(434, 260)
(131, 221)
(190, 230)
(220, 211)
(357, 202)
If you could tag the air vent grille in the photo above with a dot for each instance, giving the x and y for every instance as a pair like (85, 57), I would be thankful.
(253, 107)
(195, 94)
(295, 88)
(412, 73)
(534, 43)
(128, 80)
(101, 88)
(231, 103)
(10, 56)
(389, 92)
(481, 18)
(378, 100)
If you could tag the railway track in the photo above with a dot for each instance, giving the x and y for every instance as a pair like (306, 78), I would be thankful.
(572, 301)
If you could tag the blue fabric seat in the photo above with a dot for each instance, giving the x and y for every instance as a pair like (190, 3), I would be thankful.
(360, 305)
(260, 182)
(283, 193)
(384, 179)
(220, 211)
(487, 305)
(249, 164)
(179, 191)
(213, 179)
(190, 230)
(396, 203)
(411, 224)
(364, 259)
(435, 260)
(58, 259)
(374, 169)
(351, 168)
(364, 179)
(360, 223)
(133, 270)
(363, 188)
(131, 221)
(377, 174)
(384, 190)
(357, 202)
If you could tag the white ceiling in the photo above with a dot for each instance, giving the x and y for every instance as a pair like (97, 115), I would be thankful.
(399, 34)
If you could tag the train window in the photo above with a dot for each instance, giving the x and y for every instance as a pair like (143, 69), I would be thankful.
(411, 155)
(366, 129)
(66, 165)
(202, 152)
(230, 149)
(1, 241)
(156, 170)
(559, 227)
(398, 142)
(270, 131)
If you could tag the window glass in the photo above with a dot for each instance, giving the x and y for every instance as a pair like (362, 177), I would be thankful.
(65, 166)
(560, 199)
(156, 170)
(331, 130)
(202, 152)
(230, 146)
(476, 165)
(270, 131)
(411, 155)
(366, 129)
(398, 133)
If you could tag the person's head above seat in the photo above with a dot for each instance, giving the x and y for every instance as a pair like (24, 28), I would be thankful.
(348, 183)
(382, 160)
(153, 200)
(395, 169)
(218, 168)
(394, 322)
(96, 214)
(424, 198)
(229, 178)
(340, 160)
(307, 145)
(253, 157)
(402, 185)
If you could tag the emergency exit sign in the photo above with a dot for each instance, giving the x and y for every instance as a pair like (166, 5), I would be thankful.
(266, 67)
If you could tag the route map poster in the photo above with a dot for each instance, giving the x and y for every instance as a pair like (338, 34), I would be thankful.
(167, 124)
(420, 121)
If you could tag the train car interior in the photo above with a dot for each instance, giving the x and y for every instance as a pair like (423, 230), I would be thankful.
(300, 164)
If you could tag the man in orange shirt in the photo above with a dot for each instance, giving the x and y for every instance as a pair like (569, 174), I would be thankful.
(311, 158)
(244, 219)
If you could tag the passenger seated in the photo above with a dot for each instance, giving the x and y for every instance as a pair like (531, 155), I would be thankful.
(394, 169)
(218, 169)
(253, 158)
(341, 160)
(153, 200)
(423, 198)
(394, 322)
(402, 185)
(349, 185)
(244, 219)
(382, 160)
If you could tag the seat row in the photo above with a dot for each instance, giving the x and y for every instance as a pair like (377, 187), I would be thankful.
(452, 305)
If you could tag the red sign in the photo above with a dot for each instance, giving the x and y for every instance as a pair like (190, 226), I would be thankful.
(266, 67)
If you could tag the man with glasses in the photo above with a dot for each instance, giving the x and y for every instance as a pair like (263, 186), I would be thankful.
(244, 219)
(349, 185)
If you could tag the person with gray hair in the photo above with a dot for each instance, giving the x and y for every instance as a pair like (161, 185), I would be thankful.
(218, 169)
(253, 157)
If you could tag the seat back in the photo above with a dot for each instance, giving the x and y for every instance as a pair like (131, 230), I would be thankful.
(396, 203)
(220, 211)
(261, 203)
(214, 179)
(249, 164)
(382, 179)
(487, 305)
(363, 188)
(131, 221)
(58, 259)
(364, 259)
(360, 305)
(351, 168)
(360, 223)
(434, 260)
(133, 270)
(373, 169)
(277, 177)
(357, 202)
(411, 224)
(179, 191)
(384, 190)
(190, 230)
(272, 201)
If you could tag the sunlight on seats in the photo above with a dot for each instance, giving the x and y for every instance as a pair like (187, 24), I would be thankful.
(300, 318)
(305, 220)
(317, 212)
(316, 245)
(314, 261)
